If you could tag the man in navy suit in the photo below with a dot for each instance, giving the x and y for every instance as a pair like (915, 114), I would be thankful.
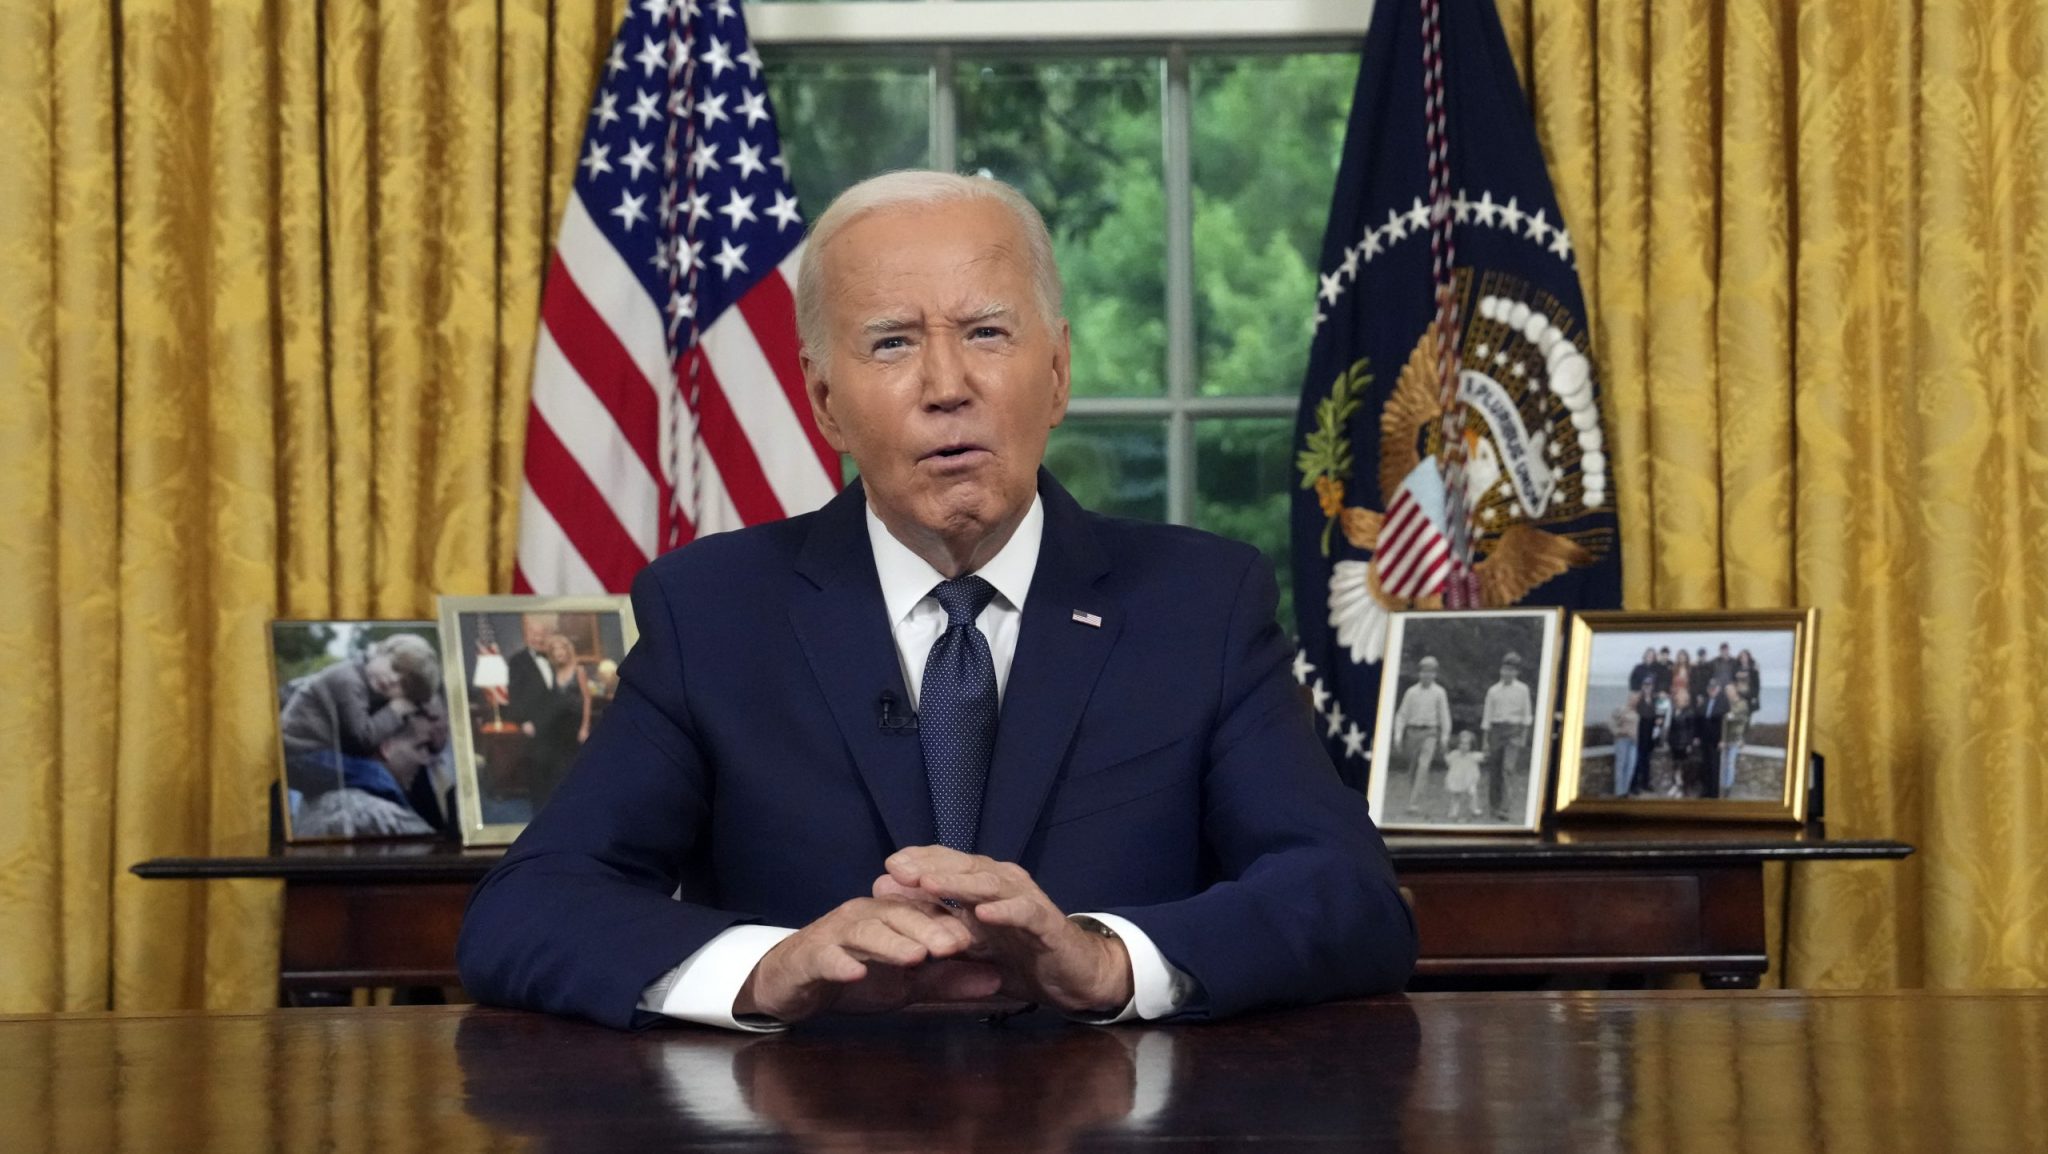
(951, 736)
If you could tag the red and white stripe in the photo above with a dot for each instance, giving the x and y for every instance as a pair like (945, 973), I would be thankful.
(1412, 556)
(608, 417)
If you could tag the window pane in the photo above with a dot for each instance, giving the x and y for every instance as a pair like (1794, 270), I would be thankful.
(1267, 134)
(1116, 467)
(1082, 139)
(844, 120)
(1243, 475)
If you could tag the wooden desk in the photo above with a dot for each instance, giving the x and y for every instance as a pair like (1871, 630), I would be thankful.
(1588, 901)
(1759, 1073)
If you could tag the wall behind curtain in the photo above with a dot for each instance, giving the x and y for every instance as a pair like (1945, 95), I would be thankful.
(1815, 239)
(271, 274)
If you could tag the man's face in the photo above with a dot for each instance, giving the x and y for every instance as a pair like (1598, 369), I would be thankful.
(1508, 673)
(535, 628)
(1427, 674)
(939, 374)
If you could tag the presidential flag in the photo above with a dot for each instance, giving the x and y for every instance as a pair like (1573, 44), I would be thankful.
(1449, 445)
(667, 400)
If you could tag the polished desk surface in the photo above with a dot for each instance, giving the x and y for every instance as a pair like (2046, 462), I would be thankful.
(1593, 845)
(1452, 1072)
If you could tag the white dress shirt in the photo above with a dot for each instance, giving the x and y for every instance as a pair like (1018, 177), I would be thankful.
(547, 668)
(702, 989)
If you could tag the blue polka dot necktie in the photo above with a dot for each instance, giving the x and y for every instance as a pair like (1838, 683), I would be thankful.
(956, 712)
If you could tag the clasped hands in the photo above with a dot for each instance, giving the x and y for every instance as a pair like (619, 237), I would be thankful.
(941, 926)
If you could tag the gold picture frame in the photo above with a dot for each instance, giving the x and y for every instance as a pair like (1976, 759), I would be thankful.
(334, 785)
(1443, 768)
(1676, 762)
(517, 721)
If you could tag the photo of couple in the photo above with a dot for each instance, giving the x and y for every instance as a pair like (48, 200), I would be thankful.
(535, 674)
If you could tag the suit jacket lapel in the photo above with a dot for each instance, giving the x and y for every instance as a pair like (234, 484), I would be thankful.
(1052, 675)
(844, 629)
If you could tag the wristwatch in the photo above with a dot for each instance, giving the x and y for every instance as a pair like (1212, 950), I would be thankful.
(1092, 925)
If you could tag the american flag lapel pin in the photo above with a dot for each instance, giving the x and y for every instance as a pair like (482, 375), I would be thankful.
(1089, 619)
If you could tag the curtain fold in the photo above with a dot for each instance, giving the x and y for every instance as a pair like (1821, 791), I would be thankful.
(1815, 242)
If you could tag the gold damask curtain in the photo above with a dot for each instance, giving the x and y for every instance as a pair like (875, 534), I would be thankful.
(269, 274)
(1814, 236)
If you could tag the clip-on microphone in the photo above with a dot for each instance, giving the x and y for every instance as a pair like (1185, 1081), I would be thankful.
(889, 720)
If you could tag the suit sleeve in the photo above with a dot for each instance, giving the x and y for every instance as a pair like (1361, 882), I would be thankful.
(1307, 908)
(582, 913)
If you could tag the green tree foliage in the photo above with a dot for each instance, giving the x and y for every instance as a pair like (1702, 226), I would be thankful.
(1081, 138)
(301, 648)
(842, 121)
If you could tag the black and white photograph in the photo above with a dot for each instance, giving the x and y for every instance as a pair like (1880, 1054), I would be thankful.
(363, 729)
(529, 677)
(1462, 741)
(1704, 713)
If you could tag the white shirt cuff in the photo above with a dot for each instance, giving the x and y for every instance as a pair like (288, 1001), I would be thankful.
(702, 989)
(1158, 989)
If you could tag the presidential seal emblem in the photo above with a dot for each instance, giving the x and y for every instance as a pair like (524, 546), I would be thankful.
(1535, 466)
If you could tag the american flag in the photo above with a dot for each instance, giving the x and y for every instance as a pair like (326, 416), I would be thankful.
(1412, 552)
(667, 400)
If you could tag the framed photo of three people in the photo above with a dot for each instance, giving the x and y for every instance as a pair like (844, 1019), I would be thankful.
(1463, 738)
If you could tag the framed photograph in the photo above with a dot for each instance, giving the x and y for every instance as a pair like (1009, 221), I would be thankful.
(1688, 715)
(362, 728)
(1463, 741)
(528, 677)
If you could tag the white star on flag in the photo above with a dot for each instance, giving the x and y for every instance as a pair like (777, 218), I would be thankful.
(729, 259)
(748, 157)
(638, 158)
(629, 211)
(712, 109)
(739, 210)
(718, 56)
(653, 55)
(704, 159)
(754, 106)
(646, 107)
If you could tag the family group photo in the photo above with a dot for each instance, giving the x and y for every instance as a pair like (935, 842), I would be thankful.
(1464, 722)
(1705, 713)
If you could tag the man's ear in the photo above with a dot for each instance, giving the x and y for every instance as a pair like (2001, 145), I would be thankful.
(1062, 372)
(820, 392)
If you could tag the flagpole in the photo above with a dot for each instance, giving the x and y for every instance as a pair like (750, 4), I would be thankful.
(1460, 589)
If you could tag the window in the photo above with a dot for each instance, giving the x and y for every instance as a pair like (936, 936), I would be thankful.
(1186, 182)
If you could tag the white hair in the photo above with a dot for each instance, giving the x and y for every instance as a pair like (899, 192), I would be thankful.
(918, 187)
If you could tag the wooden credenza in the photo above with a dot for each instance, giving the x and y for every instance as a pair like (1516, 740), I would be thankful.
(1588, 902)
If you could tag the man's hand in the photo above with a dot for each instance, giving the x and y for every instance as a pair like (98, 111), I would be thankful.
(1042, 956)
(866, 956)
